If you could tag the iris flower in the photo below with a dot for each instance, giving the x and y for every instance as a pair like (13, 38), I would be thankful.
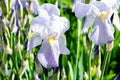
(48, 29)
(99, 13)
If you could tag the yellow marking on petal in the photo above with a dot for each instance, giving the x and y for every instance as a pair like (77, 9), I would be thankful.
(103, 15)
(51, 39)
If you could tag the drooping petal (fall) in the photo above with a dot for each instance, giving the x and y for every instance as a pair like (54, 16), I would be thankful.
(48, 54)
(35, 41)
(62, 44)
(102, 32)
(89, 20)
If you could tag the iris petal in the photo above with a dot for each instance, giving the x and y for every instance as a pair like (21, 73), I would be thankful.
(40, 22)
(101, 5)
(59, 24)
(34, 7)
(35, 41)
(102, 33)
(51, 9)
(89, 20)
(63, 48)
(116, 20)
(82, 10)
(49, 54)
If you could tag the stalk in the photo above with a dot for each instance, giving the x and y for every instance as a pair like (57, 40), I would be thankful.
(91, 50)
(104, 65)
(78, 47)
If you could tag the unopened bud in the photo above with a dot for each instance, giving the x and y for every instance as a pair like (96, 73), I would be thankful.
(93, 70)
(98, 72)
(36, 76)
(38, 68)
(32, 56)
(109, 46)
(87, 42)
(23, 67)
(4, 70)
(50, 73)
(8, 50)
(56, 76)
(97, 55)
(12, 76)
(85, 76)
(63, 74)
(17, 47)
(8, 73)
(3, 6)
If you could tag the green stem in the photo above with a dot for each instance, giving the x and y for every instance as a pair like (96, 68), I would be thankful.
(107, 64)
(78, 46)
(91, 50)
(104, 65)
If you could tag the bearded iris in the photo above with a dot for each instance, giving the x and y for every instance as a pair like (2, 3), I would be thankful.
(99, 13)
(48, 29)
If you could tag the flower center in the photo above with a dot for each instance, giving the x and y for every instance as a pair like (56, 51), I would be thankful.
(51, 39)
(103, 15)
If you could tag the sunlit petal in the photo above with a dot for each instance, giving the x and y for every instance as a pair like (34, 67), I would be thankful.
(82, 10)
(39, 23)
(101, 5)
(59, 24)
(51, 9)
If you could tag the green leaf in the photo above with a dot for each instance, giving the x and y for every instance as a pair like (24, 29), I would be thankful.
(71, 70)
(80, 68)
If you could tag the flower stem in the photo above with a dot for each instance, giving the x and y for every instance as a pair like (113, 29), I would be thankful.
(104, 65)
(78, 46)
(90, 77)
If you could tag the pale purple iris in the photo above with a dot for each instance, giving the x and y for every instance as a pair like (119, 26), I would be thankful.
(99, 13)
(48, 29)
